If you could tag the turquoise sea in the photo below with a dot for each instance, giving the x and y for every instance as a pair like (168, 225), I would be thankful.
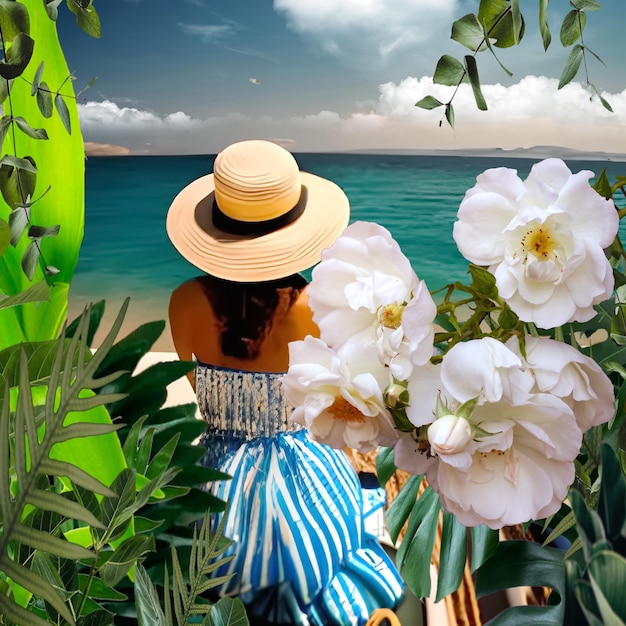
(126, 251)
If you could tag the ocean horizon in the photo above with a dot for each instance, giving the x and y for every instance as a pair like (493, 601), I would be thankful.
(126, 251)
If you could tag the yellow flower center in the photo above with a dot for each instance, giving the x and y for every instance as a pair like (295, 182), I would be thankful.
(390, 315)
(341, 409)
(538, 241)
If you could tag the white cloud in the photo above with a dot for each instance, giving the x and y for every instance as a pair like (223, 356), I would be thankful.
(363, 33)
(531, 112)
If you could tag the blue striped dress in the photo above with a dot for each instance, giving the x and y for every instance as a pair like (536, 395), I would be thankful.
(302, 555)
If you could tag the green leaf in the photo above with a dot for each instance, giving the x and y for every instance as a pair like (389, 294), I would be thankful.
(472, 71)
(385, 466)
(4, 89)
(125, 557)
(612, 497)
(17, 182)
(588, 522)
(416, 548)
(586, 5)
(5, 236)
(518, 563)
(44, 100)
(51, 8)
(30, 259)
(149, 612)
(39, 292)
(468, 32)
(607, 573)
(544, 27)
(483, 281)
(401, 507)
(62, 159)
(35, 133)
(572, 28)
(484, 542)
(453, 556)
(450, 114)
(86, 17)
(14, 19)
(503, 23)
(36, 79)
(449, 71)
(428, 102)
(40, 232)
(63, 112)
(17, 57)
(228, 612)
(571, 67)
(603, 186)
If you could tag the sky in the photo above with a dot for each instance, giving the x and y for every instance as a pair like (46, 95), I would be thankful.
(192, 76)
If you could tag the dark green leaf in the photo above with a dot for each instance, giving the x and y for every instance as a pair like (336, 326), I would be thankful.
(17, 185)
(449, 71)
(571, 67)
(95, 313)
(572, 28)
(400, 508)
(228, 612)
(417, 546)
(385, 466)
(603, 186)
(35, 133)
(472, 71)
(428, 102)
(588, 522)
(484, 542)
(124, 557)
(17, 56)
(468, 32)
(607, 573)
(5, 123)
(149, 612)
(40, 232)
(483, 281)
(450, 114)
(99, 617)
(44, 100)
(544, 27)
(612, 497)
(452, 557)
(30, 259)
(4, 89)
(21, 163)
(14, 19)
(63, 112)
(86, 17)
(518, 563)
(36, 79)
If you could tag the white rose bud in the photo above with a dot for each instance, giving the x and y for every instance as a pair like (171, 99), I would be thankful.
(449, 434)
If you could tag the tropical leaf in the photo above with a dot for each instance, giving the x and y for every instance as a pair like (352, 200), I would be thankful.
(227, 612)
(31, 457)
(61, 167)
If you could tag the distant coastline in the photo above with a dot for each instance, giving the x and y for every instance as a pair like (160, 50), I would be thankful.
(535, 152)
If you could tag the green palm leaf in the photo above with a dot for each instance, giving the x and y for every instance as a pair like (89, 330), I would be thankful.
(27, 455)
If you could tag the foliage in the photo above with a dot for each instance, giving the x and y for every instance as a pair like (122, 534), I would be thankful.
(41, 172)
(500, 24)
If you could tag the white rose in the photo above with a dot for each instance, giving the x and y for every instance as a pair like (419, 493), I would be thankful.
(542, 239)
(338, 396)
(449, 437)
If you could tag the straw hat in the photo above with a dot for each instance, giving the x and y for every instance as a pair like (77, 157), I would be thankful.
(257, 217)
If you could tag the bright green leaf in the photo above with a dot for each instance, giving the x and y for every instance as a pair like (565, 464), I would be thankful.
(502, 22)
(39, 292)
(5, 236)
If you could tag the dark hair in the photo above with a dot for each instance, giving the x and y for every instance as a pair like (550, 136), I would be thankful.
(247, 311)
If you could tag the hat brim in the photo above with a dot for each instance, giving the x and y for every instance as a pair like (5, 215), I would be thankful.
(244, 258)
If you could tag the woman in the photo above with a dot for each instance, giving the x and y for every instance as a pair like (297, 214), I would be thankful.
(302, 555)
